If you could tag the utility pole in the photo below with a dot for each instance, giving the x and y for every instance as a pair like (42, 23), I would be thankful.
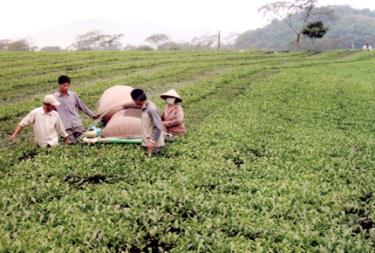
(218, 40)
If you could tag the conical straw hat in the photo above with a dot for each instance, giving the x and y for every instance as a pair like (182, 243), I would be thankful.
(171, 93)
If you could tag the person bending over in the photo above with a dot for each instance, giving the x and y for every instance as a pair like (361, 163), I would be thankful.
(152, 137)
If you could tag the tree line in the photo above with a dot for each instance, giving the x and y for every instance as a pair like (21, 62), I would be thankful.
(97, 40)
(296, 24)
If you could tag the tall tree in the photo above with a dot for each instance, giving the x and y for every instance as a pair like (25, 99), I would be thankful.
(4, 44)
(111, 42)
(205, 41)
(96, 40)
(286, 10)
(19, 45)
(315, 30)
(157, 39)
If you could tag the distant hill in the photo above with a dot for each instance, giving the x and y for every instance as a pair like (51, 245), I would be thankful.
(348, 27)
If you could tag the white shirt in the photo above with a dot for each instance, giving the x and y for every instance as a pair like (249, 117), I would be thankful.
(47, 126)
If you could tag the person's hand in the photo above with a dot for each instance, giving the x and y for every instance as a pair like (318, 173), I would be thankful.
(96, 116)
(12, 137)
(150, 146)
(67, 141)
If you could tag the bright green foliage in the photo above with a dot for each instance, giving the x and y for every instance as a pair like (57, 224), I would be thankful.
(279, 156)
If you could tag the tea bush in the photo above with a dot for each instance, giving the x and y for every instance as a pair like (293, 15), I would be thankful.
(278, 156)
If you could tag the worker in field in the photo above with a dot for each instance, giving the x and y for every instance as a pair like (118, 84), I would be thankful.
(367, 47)
(152, 137)
(70, 103)
(173, 115)
(46, 122)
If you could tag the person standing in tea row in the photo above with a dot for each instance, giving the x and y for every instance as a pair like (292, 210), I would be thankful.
(46, 122)
(70, 103)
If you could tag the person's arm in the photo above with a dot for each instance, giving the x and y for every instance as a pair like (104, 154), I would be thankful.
(131, 105)
(24, 122)
(156, 121)
(84, 108)
(16, 132)
(157, 129)
(61, 130)
(177, 118)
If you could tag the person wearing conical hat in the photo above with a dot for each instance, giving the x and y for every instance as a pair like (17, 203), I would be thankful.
(173, 115)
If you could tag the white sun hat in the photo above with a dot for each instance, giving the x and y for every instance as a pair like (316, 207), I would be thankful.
(50, 99)
(172, 94)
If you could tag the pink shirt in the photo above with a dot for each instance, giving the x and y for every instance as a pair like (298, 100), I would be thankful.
(173, 119)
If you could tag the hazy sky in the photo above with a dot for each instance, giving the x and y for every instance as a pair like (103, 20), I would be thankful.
(56, 22)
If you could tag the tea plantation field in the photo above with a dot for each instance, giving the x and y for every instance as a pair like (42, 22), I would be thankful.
(279, 156)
